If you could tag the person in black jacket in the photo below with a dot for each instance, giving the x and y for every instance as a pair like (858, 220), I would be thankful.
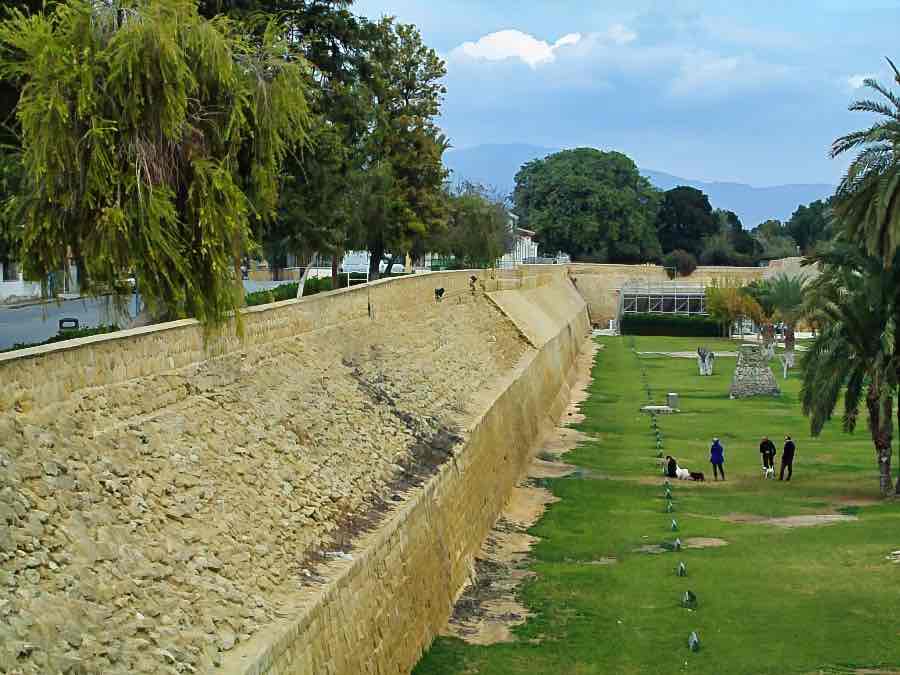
(671, 467)
(787, 458)
(767, 450)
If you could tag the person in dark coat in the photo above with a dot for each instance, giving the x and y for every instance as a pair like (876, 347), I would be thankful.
(787, 458)
(717, 459)
(671, 467)
(767, 450)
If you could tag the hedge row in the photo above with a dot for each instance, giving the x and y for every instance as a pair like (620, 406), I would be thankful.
(65, 334)
(313, 285)
(674, 325)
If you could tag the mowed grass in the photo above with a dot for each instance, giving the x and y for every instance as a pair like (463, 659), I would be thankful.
(803, 600)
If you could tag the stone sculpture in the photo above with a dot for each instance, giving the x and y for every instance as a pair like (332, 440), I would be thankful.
(752, 376)
(705, 360)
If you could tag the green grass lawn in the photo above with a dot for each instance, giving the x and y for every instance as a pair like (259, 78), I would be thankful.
(803, 600)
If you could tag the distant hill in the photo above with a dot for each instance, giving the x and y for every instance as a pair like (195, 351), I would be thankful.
(496, 166)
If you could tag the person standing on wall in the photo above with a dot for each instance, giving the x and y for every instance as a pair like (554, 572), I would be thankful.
(717, 459)
(787, 458)
(767, 450)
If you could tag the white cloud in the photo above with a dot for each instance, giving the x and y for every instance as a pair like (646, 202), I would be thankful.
(509, 44)
(620, 34)
(857, 81)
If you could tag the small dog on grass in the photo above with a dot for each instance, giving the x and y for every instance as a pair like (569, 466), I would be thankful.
(698, 475)
(769, 472)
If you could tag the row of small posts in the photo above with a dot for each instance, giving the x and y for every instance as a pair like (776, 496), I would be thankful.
(689, 598)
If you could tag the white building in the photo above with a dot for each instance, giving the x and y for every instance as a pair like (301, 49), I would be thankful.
(524, 246)
(15, 289)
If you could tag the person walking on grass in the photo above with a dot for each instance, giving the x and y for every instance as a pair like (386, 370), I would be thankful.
(717, 459)
(787, 458)
(767, 450)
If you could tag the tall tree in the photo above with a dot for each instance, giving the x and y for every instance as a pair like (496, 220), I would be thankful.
(774, 239)
(867, 202)
(590, 204)
(742, 241)
(152, 142)
(684, 220)
(478, 230)
(404, 148)
(10, 149)
(810, 225)
(852, 355)
(314, 213)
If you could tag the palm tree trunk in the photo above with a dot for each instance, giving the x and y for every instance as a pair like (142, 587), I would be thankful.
(897, 376)
(881, 427)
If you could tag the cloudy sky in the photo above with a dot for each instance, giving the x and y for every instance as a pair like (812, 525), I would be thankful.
(751, 91)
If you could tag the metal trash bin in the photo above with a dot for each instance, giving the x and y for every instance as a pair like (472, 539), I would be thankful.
(672, 400)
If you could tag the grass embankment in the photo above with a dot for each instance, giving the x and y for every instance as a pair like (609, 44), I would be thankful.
(774, 600)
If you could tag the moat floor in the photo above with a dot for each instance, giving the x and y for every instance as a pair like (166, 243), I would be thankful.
(783, 595)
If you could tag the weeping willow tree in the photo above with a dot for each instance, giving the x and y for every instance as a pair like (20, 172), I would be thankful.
(152, 141)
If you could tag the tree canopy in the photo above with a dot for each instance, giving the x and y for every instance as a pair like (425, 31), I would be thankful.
(591, 204)
(684, 220)
(810, 224)
(478, 230)
(152, 142)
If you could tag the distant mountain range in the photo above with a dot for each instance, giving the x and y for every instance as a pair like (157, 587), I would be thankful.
(496, 166)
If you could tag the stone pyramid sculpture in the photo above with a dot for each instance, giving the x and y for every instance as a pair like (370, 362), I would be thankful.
(752, 376)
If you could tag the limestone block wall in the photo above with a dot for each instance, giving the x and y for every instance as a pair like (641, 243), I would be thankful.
(191, 480)
(40, 377)
(384, 607)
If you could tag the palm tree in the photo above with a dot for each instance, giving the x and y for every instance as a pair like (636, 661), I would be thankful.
(867, 202)
(868, 197)
(853, 353)
(784, 294)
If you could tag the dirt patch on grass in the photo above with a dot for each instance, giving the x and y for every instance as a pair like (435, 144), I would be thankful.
(809, 520)
(542, 468)
(685, 355)
(704, 542)
(857, 501)
(488, 608)
(691, 543)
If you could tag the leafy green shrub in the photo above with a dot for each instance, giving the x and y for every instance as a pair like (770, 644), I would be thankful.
(277, 294)
(673, 325)
(313, 285)
(685, 263)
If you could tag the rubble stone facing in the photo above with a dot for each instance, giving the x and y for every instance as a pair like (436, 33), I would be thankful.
(752, 376)
(158, 505)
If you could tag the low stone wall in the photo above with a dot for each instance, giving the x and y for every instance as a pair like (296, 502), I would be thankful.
(383, 608)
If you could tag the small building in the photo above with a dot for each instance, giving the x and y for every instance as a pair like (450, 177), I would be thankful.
(524, 246)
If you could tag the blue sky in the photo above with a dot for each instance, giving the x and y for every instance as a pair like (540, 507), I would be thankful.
(750, 91)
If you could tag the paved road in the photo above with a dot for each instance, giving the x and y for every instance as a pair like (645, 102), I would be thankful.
(39, 322)
(36, 323)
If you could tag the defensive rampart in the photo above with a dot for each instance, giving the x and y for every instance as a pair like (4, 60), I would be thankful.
(306, 499)
(386, 605)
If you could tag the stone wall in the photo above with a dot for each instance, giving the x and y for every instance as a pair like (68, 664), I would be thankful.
(39, 377)
(191, 482)
(383, 608)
